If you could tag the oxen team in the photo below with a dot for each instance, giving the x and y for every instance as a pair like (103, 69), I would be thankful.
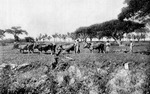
(32, 47)
(97, 46)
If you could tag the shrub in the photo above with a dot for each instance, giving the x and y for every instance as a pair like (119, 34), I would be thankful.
(127, 81)
(5, 80)
(3, 44)
(29, 39)
(16, 45)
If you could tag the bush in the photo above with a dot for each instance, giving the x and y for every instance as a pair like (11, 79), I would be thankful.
(5, 80)
(125, 81)
(126, 43)
(114, 44)
(8, 40)
(16, 45)
(29, 39)
(3, 44)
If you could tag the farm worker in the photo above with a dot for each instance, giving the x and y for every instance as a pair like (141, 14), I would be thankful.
(91, 47)
(16, 45)
(77, 46)
(131, 46)
(107, 46)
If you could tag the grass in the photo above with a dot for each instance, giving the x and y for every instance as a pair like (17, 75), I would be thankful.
(99, 72)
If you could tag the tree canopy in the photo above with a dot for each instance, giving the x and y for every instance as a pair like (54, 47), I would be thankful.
(136, 9)
(49, 38)
(2, 32)
(15, 31)
(71, 35)
(81, 32)
(85, 32)
(29, 39)
(113, 28)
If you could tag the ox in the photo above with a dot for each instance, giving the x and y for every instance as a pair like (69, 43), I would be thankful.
(31, 47)
(27, 47)
(23, 47)
(45, 47)
(67, 48)
(97, 46)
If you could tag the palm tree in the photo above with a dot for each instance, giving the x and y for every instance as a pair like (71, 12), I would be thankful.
(72, 36)
(49, 38)
(59, 36)
(36, 39)
(16, 31)
(40, 37)
(81, 33)
(2, 32)
(64, 36)
(68, 35)
(44, 36)
(99, 35)
(55, 36)
(129, 36)
(143, 36)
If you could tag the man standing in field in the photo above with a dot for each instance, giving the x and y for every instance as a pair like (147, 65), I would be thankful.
(91, 47)
(107, 46)
(131, 46)
(77, 46)
(16, 45)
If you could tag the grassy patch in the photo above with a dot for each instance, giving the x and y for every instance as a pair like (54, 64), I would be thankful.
(96, 73)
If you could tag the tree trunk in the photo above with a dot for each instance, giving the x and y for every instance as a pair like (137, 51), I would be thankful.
(85, 39)
(118, 41)
(90, 39)
(138, 39)
(16, 38)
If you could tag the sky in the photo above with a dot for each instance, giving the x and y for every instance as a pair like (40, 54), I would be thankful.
(56, 16)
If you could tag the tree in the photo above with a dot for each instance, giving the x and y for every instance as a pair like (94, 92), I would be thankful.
(137, 36)
(49, 38)
(29, 39)
(129, 36)
(141, 33)
(40, 37)
(64, 36)
(133, 36)
(44, 36)
(136, 10)
(2, 34)
(143, 36)
(59, 36)
(36, 39)
(16, 31)
(116, 28)
(91, 33)
(55, 36)
(68, 35)
(71, 35)
(81, 33)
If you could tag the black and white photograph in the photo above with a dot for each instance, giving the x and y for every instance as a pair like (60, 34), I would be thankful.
(74, 46)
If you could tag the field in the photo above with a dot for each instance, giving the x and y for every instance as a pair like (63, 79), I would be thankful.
(84, 73)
